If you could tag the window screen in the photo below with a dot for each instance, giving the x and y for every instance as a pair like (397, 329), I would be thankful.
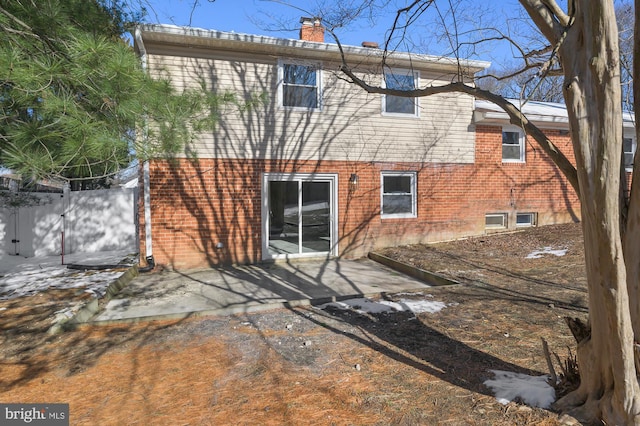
(512, 146)
(300, 86)
(399, 104)
(398, 194)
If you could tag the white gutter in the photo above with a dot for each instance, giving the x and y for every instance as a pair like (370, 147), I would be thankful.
(550, 115)
(199, 37)
(145, 168)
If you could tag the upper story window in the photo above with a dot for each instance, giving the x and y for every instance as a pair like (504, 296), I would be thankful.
(629, 150)
(398, 194)
(512, 145)
(398, 105)
(300, 85)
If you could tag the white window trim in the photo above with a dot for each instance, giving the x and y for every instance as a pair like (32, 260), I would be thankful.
(414, 195)
(522, 144)
(634, 147)
(505, 221)
(332, 178)
(416, 100)
(533, 222)
(280, 95)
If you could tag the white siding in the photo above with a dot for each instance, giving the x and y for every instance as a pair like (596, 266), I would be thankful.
(350, 125)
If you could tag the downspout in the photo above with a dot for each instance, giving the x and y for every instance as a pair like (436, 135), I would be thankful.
(14, 187)
(145, 172)
(66, 204)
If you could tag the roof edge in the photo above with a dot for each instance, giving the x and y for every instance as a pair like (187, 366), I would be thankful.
(200, 36)
(549, 114)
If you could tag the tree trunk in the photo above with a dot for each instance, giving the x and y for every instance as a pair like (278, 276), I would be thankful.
(631, 241)
(609, 387)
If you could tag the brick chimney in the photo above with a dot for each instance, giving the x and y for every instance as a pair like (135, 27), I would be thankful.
(311, 29)
(370, 44)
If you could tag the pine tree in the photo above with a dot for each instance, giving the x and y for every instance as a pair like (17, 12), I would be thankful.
(74, 98)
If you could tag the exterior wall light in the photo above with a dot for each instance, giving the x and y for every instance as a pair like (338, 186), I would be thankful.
(353, 182)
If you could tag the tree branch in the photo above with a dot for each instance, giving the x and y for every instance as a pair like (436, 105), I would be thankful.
(542, 12)
(516, 116)
(562, 17)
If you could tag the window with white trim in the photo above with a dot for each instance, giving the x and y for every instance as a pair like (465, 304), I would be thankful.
(512, 144)
(398, 194)
(495, 220)
(525, 219)
(299, 85)
(629, 150)
(399, 105)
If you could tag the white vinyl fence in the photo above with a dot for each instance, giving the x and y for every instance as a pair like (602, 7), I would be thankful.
(92, 221)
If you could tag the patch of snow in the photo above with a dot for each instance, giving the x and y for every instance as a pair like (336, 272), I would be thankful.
(420, 306)
(532, 390)
(20, 276)
(364, 305)
(361, 305)
(547, 250)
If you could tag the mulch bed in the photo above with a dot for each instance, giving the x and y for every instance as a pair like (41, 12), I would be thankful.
(310, 366)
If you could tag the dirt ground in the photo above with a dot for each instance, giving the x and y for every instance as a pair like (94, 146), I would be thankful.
(311, 366)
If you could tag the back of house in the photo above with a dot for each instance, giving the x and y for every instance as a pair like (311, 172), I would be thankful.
(305, 163)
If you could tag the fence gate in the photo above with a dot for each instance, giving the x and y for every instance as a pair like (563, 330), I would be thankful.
(31, 224)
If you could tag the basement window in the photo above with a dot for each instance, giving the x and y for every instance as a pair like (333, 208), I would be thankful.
(525, 219)
(495, 220)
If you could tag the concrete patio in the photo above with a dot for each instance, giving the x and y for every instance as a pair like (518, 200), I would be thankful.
(241, 289)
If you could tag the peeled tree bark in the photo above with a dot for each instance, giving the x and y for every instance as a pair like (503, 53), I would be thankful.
(587, 37)
(585, 40)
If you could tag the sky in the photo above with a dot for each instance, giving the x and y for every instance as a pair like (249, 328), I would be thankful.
(274, 18)
(252, 17)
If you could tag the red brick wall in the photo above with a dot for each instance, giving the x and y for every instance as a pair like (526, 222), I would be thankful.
(195, 205)
(535, 185)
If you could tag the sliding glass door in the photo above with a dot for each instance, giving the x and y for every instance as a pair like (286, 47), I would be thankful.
(298, 215)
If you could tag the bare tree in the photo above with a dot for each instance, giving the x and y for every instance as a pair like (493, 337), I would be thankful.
(516, 83)
(583, 45)
(523, 79)
(625, 19)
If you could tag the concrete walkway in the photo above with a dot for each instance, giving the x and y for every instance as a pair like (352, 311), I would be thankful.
(251, 288)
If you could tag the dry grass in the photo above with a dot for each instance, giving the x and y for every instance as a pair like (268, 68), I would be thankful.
(307, 366)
